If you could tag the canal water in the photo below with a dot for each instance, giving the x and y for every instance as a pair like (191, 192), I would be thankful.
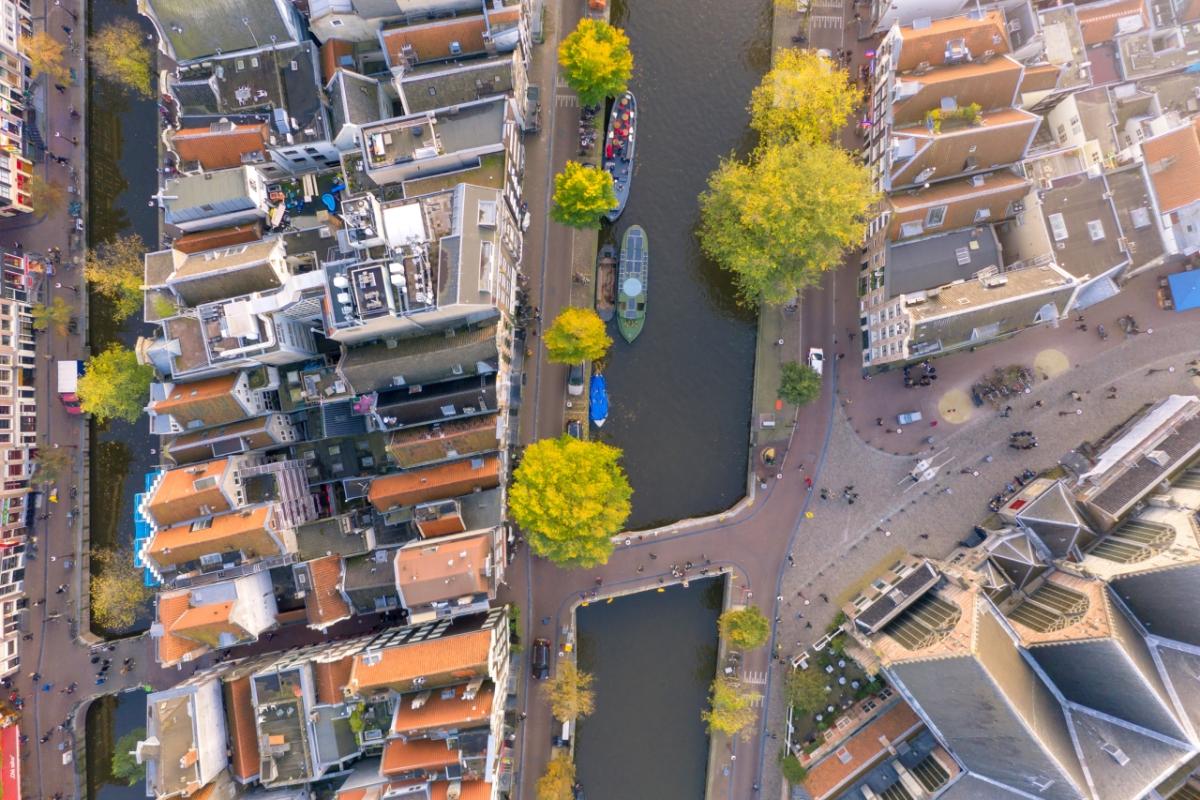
(122, 131)
(680, 394)
(653, 656)
(108, 719)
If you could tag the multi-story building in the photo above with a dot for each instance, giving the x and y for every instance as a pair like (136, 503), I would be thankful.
(16, 170)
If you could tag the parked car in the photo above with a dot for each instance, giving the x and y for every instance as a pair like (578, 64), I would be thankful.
(816, 360)
(575, 428)
(539, 661)
(575, 380)
(909, 417)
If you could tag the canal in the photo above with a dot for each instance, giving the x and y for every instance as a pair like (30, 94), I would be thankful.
(108, 719)
(653, 656)
(681, 393)
(122, 135)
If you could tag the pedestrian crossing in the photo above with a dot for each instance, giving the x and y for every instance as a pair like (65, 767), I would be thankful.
(756, 678)
(826, 21)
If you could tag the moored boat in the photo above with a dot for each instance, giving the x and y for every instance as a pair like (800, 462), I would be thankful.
(606, 282)
(618, 149)
(632, 277)
(598, 400)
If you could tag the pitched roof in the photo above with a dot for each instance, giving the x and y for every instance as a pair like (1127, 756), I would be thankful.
(171, 648)
(1100, 21)
(439, 570)
(194, 30)
(440, 712)
(324, 602)
(417, 446)
(927, 43)
(400, 756)
(420, 359)
(431, 41)
(330, 677)
(991, 84)
(244, 531)
(218, 237)
(1041, 77)
(331, 52)
(467, 790)
(1001, 138)
(189, 492)
(221, 145)
(465, 653)
(861, 750)
(208, 402)
(243, 738)
(1173, 161)
(434, 483)
(962, 200)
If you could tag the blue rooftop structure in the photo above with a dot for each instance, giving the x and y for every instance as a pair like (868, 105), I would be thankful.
(142, 530)
(1185, 289)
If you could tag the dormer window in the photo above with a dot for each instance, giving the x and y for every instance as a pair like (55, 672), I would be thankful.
(455, 49)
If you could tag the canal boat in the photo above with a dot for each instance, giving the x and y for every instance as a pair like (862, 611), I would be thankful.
(618, 150)
(598, 400)
(631, 282)
(606, 282)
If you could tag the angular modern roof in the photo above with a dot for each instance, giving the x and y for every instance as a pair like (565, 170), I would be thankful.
(1165, 601)
(1121, 761)
(1057, 523)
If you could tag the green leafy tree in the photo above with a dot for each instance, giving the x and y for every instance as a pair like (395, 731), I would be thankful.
(57, 315)
(804, 98)
(124, 763)
(114, 385)
(577, 334)
(115, 270)
(45, 196)
(731, 709)
(570, 497)
(558, 781)
(52, 463)
(798, 383)
(118, 591)
(805, 689)
(570, 694)
(46, 56)
(793, 771)
(781, 221)
(746, 628)
(120, 53)
(596, 61)
(582, 195)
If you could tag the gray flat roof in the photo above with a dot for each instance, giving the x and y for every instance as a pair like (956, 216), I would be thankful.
(934, 261)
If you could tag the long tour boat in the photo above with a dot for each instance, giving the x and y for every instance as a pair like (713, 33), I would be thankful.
(618, 149)
(632, 278)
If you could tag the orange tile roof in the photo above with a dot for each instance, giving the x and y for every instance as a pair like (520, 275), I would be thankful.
(434, 483)
(203, 616)
(243, 733)
(441, 713)
(1000, 140)
(184, 394)
(244, 531)
(220, 149)
(417, 446)
(1041, 78)
(864, 748)
(324, 602)
(961, 198)
(400, 756)
(431, 41)
(330, 677)
(991, 84)
(1173, 161)
(171, 648)
(928, 44)
(462, 654)
(443, 570)
(1099, 22)
(176, 499)
(468, 790)
(331, 54)
(444, 525)
(200, 241)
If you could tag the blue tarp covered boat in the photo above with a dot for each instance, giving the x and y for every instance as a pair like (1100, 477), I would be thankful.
(598, 400)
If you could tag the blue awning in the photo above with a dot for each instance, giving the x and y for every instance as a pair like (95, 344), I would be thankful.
(1185, 289)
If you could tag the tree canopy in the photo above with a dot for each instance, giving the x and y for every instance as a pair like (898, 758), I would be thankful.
(779, 222)
(56, 316)
(577, 334)
(124, 764)
(44, 195)
(570, 694)
(805, 689)
(582, 195)
(46, 56)
(804, 98)
(52, 463)
(731, 709)
(115, 269)
(114, 385)
(746, 628)
(119, 592)
(798, 383)
(596, 61)
(558, 781)
(793, 771)
(120, 53)
(570, 497)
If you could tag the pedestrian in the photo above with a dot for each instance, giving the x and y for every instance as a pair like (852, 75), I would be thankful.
(653, 557)
(924, 535)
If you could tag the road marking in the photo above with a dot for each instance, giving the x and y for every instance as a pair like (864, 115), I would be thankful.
(758, 678)
(825, 21)
(566, 100)
(756, 701)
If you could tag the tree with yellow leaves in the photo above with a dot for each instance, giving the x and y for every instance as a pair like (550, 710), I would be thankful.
(577, 334)
(596, 61)
(570, 694)
(804, 98)
(731, 709)
(115, 269)
(558, 781)
(582, 195)
(119, 53)
(46, 56)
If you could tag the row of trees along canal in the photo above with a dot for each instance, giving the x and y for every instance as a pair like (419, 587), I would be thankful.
(114, 384)
(778, 221)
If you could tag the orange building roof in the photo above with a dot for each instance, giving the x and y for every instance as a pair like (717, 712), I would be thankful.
(220, 148)
(324, 601)
(330, 677)
(189, 492)
(468, 790)
(1173, 161)
(927, 44)
(1041, 77)
(1099, 22)
(438, 712)
(461, 654)
(443, 570)
(434, 483)
(331, 55)
(243, 733)
(431, 41)
(244, 531)
(200, 241)
(184, 394)
(171, 648)
(861, 751)
(400, 756)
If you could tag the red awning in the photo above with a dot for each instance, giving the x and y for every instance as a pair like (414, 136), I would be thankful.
(10, 761)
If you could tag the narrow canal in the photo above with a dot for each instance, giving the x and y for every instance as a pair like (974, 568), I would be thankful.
(653, 656)
(681, 392)
(108, 719)
(122, 131)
